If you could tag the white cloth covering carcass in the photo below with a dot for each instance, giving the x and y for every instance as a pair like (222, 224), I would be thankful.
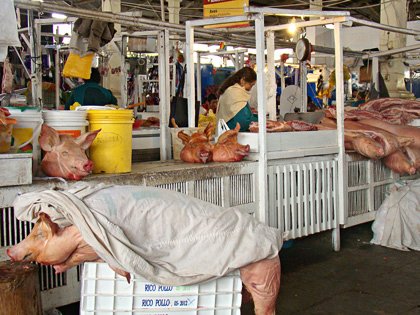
(397, 222)
(8, 28)
(165, 236)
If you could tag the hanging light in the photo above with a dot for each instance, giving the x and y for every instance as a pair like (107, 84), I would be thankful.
(58, 16)
(292, 26)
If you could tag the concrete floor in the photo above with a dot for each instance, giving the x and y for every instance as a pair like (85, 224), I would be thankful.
(360, 279)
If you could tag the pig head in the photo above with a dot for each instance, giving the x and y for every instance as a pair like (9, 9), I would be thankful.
(63, 248)
(227, 148)
(197, 147)
(65, 156)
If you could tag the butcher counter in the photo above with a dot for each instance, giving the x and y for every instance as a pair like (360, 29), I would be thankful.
(224, 184)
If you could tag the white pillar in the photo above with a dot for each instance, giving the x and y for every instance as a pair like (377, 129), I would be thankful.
(174, 7)
(394, 13)
(113, 80)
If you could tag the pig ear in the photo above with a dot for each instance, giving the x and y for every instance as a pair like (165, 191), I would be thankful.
(49, 226)
(184, 137)
(86, 139)
(238, 127)
(209, 130)
(48, 138)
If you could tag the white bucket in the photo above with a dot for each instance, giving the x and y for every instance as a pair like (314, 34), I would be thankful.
(68, 122)
(26, 132)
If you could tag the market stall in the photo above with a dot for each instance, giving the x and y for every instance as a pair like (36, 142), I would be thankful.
(299, 182)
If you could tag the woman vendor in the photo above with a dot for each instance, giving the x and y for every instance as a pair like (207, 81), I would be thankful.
(234, 98)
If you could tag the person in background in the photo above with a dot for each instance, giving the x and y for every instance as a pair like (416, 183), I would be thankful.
(234, 98)
(212, 103)
(91, 93)
(360, 98)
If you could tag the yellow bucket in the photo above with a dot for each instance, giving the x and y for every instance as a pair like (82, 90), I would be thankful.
(111, 151)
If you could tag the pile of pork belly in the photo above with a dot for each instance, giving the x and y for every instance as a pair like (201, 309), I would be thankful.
(379, 129)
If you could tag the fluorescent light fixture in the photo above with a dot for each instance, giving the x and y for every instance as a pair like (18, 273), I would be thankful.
(59, 16)
(292, 26)
(329, 26)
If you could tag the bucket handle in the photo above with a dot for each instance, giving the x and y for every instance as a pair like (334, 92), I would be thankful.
(36, 131)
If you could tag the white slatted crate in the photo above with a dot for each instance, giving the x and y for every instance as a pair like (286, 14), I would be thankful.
(303, 194)
(367, 186)
(106, 293)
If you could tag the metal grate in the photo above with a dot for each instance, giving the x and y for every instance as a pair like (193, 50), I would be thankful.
(380, 193)
(242, 189)
(179, 187)
(357, 173)
(380, 171)
(12, 232)
(210, 190)
(357, 202)
(305, 197)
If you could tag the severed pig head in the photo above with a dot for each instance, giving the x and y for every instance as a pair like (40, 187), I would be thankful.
(65, 156)
(63, 248)
(227, 148)
(197, 147)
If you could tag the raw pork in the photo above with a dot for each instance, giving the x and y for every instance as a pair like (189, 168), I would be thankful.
(65, 156)
(227, 148)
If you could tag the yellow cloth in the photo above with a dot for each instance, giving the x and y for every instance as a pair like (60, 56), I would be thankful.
(231, 102)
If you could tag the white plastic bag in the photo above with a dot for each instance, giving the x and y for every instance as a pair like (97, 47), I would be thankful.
(8, 26)
(221, 128)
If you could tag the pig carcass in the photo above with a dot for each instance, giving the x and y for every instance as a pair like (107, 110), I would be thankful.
(65, 156)
(164, 236)
(197, 147)
(389, 141)
(227, 148)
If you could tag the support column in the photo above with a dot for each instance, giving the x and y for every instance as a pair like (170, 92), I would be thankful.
(113, 80)
(394, 13)
(174, 6)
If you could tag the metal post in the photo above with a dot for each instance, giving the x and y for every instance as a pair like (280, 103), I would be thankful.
(57, 72)
(199, 83)
(124, 74)
(189, 56)
(342, 167)
(38, 68)
(271, 75)
(304, 86)
(262, 214)
(163, 49)
(375, 73)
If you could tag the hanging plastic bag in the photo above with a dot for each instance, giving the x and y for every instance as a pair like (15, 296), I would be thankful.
(77, 66)
(221, 128)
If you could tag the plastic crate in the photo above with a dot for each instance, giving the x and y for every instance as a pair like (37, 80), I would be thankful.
(105, 293)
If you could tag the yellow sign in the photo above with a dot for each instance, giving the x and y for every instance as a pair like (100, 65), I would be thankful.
(221, 8)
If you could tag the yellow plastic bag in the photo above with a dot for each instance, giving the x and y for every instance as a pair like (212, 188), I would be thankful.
(204, 120)
(77, 66)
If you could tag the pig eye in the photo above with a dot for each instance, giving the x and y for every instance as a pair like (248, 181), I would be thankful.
(64, 153)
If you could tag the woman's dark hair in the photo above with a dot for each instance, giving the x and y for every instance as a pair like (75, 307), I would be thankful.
(95, 76)
(211, 97)
(246, 73)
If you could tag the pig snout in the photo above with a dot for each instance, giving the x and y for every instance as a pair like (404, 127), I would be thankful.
(88, 166)
(204, 155)
(18, 255)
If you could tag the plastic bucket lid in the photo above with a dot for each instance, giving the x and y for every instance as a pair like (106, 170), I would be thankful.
(25, 114)
(64, 116)
(111, 116)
